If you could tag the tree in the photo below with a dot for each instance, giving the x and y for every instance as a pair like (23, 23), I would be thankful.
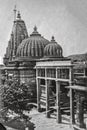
(16, 96)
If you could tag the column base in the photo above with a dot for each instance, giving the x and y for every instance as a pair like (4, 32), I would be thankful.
(58, 120)
(48, 115)
(39, 109)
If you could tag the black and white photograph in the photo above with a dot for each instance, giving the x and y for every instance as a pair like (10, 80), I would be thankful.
(43, 64)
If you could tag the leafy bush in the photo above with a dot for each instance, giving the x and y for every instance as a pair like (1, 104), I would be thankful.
(16, 95)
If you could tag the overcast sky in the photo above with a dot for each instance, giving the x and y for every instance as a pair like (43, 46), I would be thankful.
(65, 19)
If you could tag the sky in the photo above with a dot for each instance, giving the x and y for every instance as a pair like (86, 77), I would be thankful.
(66, 20)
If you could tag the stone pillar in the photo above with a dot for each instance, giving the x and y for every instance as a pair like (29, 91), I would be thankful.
(58, 101)
(72, 116)
(47, 99)
(38, 94)
(79, 109)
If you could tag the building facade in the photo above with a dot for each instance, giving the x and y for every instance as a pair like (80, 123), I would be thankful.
(32, 58)
(23, 51)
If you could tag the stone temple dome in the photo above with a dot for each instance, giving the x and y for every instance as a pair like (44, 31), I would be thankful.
(32, 47)
(53, 49)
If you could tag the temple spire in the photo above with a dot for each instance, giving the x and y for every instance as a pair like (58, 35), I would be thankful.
(15, 12)
(18, 15)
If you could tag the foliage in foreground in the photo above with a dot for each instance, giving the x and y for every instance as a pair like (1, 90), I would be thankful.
(16, 95)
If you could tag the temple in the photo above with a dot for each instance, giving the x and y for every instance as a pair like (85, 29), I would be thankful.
(61, 81)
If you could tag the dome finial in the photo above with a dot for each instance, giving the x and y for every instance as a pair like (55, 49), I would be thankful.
(35, 32)
(35, 28)
(18, 15)
(53, 39)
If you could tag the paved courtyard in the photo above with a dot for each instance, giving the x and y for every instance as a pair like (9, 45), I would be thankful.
(43, 123)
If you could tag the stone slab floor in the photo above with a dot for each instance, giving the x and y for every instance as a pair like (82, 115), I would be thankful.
(43, 123)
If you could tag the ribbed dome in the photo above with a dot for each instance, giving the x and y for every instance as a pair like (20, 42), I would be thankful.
(53, 49)
(32, 46)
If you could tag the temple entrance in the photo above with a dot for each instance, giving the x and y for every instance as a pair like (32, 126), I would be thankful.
(52, 94)
(50, 86)
(64, 99)
(43, 94)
